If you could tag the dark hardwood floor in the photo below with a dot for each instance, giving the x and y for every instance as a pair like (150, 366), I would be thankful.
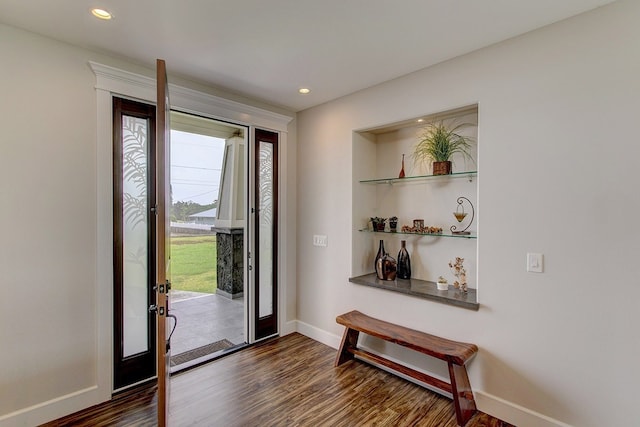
(289, 381)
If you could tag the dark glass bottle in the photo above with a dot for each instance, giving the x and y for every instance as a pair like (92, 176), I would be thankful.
(379, 255)
(387, 268)
(404, 262)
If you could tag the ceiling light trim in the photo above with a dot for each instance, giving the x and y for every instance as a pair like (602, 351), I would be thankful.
(103, 14)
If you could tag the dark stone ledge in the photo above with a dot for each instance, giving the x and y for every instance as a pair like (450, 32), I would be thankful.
(422, 289)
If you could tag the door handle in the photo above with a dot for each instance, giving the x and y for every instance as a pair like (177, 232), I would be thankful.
(175, 323)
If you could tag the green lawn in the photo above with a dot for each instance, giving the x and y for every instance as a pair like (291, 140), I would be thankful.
(193, 264)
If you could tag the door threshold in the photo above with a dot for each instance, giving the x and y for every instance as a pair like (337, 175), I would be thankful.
(183, 367)
(140, 385)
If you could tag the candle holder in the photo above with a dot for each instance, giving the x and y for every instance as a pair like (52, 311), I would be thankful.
(460, 215)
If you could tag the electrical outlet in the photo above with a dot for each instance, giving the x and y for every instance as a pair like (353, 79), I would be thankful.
(535, 263)
(319, 240)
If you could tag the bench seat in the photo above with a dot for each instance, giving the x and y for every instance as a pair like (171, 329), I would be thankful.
(455, 353)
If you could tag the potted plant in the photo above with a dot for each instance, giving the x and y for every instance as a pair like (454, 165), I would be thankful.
(393, 224)
(443, 285)
(378, 223)
(439, 142)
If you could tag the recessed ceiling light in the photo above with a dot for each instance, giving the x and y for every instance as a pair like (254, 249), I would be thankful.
(304, 90)
(101, 13)
(420, 120)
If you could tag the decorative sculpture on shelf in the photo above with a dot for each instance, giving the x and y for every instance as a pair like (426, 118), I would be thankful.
(460, 215)
(460, 272)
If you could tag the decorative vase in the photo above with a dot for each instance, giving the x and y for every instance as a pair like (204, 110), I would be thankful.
(386, 268)
(401, 174)
(393, 224)
(443, 286)
(442, 168)
(404, 262)
(380, 225)
(379, 255)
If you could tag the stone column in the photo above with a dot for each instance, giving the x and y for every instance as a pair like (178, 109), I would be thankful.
(230, 262)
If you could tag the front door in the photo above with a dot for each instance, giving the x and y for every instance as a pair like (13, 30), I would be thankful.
(141, 242)
(163, 251)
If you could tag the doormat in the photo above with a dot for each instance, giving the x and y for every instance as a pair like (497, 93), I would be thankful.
(205, 350)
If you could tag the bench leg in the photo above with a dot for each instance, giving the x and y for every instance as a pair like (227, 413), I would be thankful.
(349, 340)
(462, 395)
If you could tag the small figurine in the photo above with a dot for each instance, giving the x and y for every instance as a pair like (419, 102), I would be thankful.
(459, 271)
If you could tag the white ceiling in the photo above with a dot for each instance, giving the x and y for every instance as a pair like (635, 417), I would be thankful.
(268, 49)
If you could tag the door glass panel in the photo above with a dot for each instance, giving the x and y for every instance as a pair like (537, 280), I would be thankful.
(135, 234)
(265, 245)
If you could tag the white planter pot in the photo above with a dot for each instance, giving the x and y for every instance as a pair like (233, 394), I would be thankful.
(443, 286)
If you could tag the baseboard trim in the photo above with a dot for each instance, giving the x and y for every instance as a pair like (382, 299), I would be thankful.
(512, 412)
(318, 334)
(289, 327)
(53, 409)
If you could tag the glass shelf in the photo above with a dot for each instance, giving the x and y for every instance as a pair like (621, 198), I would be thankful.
(467, 174)
(443, 234)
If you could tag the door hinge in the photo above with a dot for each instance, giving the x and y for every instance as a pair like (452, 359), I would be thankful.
(154, 209)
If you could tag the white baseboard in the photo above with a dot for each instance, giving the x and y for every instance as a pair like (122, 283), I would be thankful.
(486, 402)
(52, 409)
(318, 334)
(512, 412)
(288, 327)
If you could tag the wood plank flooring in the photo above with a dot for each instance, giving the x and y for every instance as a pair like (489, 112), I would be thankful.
(289, 381)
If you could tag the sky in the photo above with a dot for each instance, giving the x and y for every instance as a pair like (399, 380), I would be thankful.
(196, 162)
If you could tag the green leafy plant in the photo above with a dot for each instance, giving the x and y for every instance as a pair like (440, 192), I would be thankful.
(439, 143)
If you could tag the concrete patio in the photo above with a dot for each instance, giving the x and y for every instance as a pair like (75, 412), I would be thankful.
(204, 319)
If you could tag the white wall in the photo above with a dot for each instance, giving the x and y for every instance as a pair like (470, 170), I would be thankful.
(557, 156)
(48, 220)
(55, 203)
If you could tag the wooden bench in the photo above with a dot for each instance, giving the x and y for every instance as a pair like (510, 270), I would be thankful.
(456, 354)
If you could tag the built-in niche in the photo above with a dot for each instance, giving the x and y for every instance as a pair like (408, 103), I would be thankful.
(378, 192)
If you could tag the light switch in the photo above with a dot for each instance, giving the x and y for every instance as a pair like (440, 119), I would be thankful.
(534, 262)
(319, 240)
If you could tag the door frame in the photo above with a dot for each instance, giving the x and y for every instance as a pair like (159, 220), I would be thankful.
(112, 82)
